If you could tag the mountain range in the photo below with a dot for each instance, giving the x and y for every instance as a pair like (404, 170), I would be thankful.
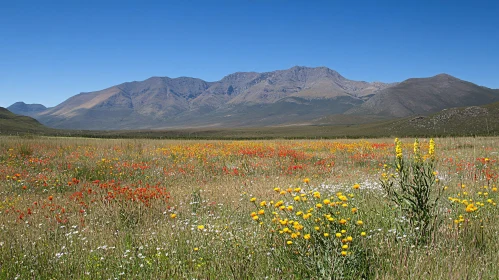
(299, 95)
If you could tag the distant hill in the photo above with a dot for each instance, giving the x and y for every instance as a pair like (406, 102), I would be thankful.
(425, 96)
(11, 123)
(469, 120)
(24, 109)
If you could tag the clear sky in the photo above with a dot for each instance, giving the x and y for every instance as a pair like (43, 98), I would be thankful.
(51, 50)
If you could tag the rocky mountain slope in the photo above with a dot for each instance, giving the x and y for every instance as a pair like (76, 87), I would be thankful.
(239, 99)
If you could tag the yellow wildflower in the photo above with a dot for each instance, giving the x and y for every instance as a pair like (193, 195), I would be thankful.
(431, 150)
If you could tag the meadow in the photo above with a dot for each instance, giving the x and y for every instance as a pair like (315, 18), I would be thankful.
(76, 208)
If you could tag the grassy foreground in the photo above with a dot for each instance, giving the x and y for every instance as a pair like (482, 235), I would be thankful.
(150, 209)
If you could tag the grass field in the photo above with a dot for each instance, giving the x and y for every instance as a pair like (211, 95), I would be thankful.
(275, 209)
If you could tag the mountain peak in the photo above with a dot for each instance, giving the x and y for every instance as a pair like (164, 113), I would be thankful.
(445, 76)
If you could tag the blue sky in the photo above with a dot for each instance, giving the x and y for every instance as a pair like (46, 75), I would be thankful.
(51, 50)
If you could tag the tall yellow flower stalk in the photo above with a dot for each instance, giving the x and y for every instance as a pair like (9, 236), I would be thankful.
(417, 152)
(398, 148)
(431, 149)
(398, 152)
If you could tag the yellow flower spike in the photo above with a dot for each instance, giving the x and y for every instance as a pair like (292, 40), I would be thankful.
(363, 233)
(255, 218)
(318, 205)
(173, 216)
(290, 207)
(289, 242)
(326, 234)
(431, 149)
(317, 228)
(306, 236)
(356, 186)
(261, 212)
(306, 180)
(299, 213)
(263, 203)
(317, 194)
(343, 221)
(282, 207)
(297, 198)
(338, 235)
(283, 192)
(343, 231)
(359, 222)
(354, 210)
(253, 199)
(398, 149)
(277, 189)
(195, 249)
(200, 227)
(417, 153)
(293, 235)
(297, 189)
(349, 238)
(326, 201)
(344, 247)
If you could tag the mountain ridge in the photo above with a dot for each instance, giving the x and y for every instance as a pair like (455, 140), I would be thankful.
(234, 100)
(282, 97)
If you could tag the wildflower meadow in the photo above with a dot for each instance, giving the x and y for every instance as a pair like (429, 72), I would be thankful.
(76, 208)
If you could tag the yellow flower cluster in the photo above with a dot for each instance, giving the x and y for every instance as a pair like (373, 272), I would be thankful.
(473, 204)
(304, 219)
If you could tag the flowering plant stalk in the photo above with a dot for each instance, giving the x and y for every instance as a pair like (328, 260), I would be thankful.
(414, 190)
